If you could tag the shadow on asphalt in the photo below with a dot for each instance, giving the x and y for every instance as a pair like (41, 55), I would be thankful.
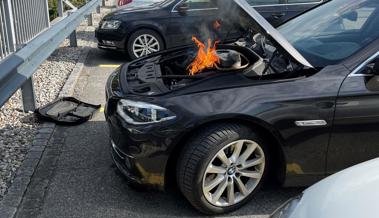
(107, 57)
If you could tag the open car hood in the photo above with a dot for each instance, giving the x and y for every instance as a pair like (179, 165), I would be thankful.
(265, 28)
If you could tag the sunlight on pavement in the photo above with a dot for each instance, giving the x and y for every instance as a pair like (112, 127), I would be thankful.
(109, 65)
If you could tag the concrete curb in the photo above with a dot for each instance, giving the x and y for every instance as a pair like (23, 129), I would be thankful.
(69, 87)
(15, 193)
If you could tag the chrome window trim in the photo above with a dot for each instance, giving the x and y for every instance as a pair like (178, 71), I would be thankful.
(356, 71)
(289, 4)
(256, 6)
(200, 9)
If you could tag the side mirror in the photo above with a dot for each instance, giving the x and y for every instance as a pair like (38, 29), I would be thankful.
(351, 16)
(183, 7)
(372, 83)
(375, 69)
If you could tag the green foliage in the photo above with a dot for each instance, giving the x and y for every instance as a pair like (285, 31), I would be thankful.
(53, 7)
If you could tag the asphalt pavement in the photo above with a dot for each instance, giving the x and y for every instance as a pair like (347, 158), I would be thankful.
(76, 176)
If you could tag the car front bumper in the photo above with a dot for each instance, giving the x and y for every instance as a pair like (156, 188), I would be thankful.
(141, 152)
(110, 39)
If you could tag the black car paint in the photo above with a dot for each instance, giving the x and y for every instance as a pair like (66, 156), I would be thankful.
(277, 14)
(176, 28)
(309, 153)
(355, 130)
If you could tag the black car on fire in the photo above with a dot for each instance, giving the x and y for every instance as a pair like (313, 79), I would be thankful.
(296, 104)
(139, 31)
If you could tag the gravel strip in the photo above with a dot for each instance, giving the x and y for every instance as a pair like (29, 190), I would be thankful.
(17, 129)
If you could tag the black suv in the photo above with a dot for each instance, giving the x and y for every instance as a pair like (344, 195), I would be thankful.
(170, 23)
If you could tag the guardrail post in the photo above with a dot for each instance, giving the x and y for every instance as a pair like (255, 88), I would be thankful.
(60, 8)
(72, 37)
(28, 95)
(90, 19)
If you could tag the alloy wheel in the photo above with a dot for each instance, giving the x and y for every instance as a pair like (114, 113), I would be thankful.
(145, 44)
(233, 173)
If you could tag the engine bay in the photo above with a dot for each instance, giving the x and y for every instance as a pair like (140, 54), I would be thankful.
(170, 70)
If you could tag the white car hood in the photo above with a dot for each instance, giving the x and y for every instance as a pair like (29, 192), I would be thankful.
(269, 31)
(351, 193)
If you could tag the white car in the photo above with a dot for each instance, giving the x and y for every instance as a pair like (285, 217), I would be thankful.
(351, 193)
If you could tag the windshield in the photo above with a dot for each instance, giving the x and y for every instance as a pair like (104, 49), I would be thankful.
(334, 31)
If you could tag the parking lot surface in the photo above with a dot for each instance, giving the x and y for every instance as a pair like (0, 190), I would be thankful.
(76, 176)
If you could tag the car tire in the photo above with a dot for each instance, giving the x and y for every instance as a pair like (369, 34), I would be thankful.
(195, 175)
(143, 42)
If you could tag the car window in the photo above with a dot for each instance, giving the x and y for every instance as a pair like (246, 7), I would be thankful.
(368, 66)
(334, 31)
(199, 4)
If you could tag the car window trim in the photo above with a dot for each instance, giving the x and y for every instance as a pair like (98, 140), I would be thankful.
(255, 6)
(200, 9)
(289, 4)
(356, 71)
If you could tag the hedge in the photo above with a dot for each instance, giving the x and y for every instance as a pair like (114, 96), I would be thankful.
(53, 7)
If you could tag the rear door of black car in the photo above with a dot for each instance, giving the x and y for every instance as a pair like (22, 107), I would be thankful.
(296, 7)
(279, 11)
(197, 21)
(273, 10)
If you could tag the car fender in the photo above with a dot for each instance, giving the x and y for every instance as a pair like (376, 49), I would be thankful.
(262, 127)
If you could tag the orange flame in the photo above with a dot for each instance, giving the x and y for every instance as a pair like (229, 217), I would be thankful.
(206, 57)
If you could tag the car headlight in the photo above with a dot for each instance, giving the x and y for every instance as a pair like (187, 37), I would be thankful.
(140, 113)
(110, 24)
(287, 209)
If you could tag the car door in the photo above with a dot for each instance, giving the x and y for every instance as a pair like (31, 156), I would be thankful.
(196, 20)
(278, 11)
(296, 7)
(355, 136)
(272, 10)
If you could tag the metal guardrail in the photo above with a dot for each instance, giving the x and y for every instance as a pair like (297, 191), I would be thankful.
(17, 69)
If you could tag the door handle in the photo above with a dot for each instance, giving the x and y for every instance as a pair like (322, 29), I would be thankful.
(278, 15)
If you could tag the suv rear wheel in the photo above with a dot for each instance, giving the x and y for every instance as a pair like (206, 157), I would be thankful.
(220, 169)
